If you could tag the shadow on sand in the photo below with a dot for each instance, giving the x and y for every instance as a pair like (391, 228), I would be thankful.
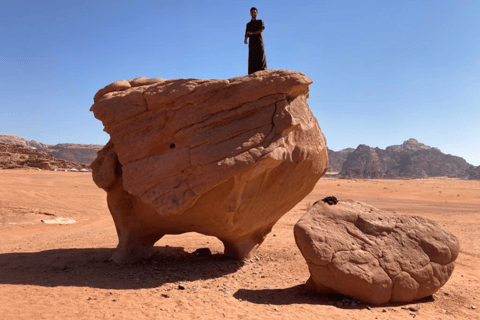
(294, 295)
(91, 268)
(300, 295)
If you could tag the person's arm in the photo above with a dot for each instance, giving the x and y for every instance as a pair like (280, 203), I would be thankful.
(256, 32)
(246, 35)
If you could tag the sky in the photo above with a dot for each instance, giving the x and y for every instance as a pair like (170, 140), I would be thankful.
(383, 71)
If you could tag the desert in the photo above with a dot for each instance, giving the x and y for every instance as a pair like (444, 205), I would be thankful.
(63, 272)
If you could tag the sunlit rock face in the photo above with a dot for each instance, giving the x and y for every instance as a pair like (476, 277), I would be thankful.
(225, 158)
(373, 255)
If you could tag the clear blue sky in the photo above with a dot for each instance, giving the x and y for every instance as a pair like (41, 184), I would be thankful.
(383, 71)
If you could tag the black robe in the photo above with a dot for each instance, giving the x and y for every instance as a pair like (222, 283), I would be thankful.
(256, 50)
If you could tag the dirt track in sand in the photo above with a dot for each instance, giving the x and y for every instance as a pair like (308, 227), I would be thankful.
(63, 272)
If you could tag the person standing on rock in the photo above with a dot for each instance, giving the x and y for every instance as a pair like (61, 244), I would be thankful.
(256, 51)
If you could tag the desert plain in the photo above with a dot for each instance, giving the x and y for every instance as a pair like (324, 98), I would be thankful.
(54, 271)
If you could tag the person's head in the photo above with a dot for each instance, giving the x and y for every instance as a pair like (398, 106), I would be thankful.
(253, 12)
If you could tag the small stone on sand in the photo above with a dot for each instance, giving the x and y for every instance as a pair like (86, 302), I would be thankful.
(59, 220)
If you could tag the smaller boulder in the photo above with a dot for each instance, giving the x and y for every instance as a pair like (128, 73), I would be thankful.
(373, 255)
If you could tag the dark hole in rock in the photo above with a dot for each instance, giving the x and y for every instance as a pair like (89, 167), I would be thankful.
(172, 146)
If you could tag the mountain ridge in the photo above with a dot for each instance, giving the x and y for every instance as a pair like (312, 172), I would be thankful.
(14, 156)
(74, 152)
(412, 159)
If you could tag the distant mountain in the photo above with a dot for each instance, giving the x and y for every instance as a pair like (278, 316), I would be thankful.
(475, 174)
(336, 159)
(412, 159)
(84, 153)
(18, 156)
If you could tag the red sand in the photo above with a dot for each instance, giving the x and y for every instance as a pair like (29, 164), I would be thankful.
(62, 271)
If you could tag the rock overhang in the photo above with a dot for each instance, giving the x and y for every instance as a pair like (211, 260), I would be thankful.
(175, 142)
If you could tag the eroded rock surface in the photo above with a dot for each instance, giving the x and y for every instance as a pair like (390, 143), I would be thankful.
(225, 158)
(372, 255)
(73, 152)
(336, 159)
(18, 156)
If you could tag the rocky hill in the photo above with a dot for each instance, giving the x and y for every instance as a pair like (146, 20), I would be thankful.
(336, 159)
(84, 153)
(412, 159)
(18, 156)
(474, 173)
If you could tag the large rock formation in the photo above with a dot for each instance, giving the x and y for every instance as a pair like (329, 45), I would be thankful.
(372, 255)
(336, 159)
(17, 156)
(74, 152)
(225, 158)
(29, 144)
(84, 153)
(409, 160)
(474, 173)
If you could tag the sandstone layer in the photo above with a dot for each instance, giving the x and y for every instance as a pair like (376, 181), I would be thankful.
(372, 255)
(73, 152)
(18, 156)
(225, 158)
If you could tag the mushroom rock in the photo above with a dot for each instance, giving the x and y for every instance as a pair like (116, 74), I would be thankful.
(372, 255)
(225, 158)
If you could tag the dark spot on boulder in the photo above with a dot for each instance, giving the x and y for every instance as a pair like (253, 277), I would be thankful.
(330, 200)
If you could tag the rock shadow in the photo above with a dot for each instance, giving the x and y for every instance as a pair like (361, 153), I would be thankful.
(294, 295)
(92, 268)
(300, 295)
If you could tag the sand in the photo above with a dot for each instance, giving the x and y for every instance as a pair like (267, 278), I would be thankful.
(55, 271)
